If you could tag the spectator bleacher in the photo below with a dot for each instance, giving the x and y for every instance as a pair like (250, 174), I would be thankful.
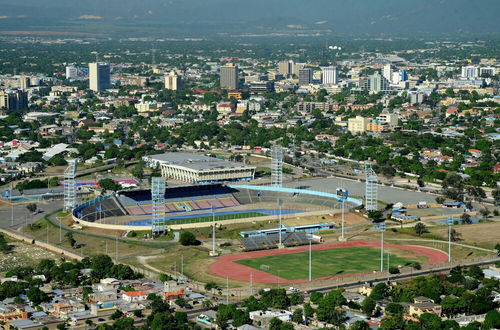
(271, 241)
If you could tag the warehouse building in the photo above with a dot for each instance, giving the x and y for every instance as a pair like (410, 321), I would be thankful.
(198, 168)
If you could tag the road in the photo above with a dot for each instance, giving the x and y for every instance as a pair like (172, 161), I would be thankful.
(18, 214)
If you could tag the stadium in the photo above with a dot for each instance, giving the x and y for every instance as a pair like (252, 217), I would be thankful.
(200, 203)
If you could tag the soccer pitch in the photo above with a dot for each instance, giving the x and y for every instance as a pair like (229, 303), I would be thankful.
(331, 262)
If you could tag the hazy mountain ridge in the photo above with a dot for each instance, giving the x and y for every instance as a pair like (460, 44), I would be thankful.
(407, 17)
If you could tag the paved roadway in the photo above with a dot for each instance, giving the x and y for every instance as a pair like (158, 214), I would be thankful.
(355, 188)
(22, 216)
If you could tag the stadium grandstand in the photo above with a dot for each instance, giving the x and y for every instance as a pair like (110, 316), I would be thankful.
(271, 241)
(198, 168)
(134, 207)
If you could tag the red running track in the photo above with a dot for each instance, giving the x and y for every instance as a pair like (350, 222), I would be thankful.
(226, 267)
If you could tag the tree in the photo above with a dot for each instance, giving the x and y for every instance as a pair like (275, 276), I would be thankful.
(298, 316)
(379, 292)
(109, 185)
(492, 320)
(308, 310)
(454, 235)
(440, 200)
(376, 216)
(116, 315)
(188, 238)
(70, 238)
(496, 196)
(360, 325)
(4, 246)
(316, 296)
(497, 247)
(466, 218)
(394, 308)
(420, 228)
(31, 207)
(368, 306)
(430, 321)
(394, 270)
(37, 296)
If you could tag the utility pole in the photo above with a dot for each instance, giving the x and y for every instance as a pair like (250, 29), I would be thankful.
(227, 290)
(47, 232)
(116, 249)
(182, 265)
(388, 266)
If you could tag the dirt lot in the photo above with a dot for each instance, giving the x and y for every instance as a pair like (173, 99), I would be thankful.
(485, 235)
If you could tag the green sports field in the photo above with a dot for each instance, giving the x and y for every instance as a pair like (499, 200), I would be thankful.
(208, 218)
(332, 262)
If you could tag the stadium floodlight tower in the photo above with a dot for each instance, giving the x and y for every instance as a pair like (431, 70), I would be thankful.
(276, 166)
(371, 188)
(158, 187)
(70, 186)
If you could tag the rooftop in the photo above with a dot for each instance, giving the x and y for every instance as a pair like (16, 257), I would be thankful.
(195, 161)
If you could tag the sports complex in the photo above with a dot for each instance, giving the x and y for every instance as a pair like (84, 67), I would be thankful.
(270, 254)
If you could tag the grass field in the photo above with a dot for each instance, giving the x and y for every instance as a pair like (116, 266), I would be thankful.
(325, 263)
(217, 218)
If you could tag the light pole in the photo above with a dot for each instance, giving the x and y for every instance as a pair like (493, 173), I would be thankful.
(11, 207)
(381, 227)
(450, 223)
(213, 231)
(279, 215)
(310, 257)
(343, 194)
(388, 266)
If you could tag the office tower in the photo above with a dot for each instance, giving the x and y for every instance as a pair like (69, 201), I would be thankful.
(378, 83)
(71, 72)
(13, 100)
(172, 81)
(387, 72)
(297, 67)
(229, 76)
(99, 76)
(305, 76)
(403, 75)
(329, 76)
(285, 68)
(24, 82)
(470, 72)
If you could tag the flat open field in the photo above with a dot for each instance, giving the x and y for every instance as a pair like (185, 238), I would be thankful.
(329, 261)
(325, 263)
(485, 235)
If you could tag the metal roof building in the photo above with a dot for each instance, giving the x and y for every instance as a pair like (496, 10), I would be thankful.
(198, 168)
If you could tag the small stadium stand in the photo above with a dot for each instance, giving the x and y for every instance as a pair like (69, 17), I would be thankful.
(271, 241)
(109, 206)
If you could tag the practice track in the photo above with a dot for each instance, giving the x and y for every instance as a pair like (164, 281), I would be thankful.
(226, 266)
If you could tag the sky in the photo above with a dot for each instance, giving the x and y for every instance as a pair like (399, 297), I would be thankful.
(236, 17)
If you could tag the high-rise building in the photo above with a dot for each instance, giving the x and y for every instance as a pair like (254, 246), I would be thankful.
(470, 72)
(387, 72)
(285, 68)
(305, 76)
(172, 81)
(329, 75)
(24, 82)
(297, 67)
(378, 83)
(229, 77)
(13, 100)
(99, 76)
(71, 72)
